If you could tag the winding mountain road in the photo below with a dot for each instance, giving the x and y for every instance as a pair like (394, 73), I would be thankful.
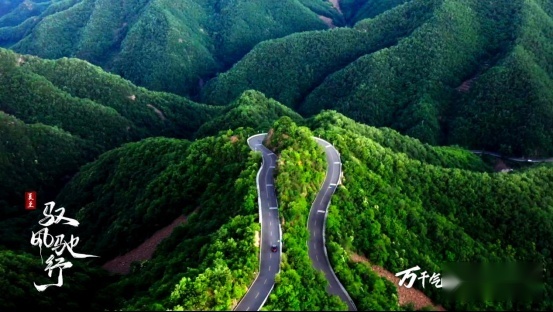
(317, 221)
(271, 233)
(540, 160)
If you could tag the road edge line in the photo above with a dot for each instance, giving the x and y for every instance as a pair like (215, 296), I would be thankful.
(324, 225)
(260, 222)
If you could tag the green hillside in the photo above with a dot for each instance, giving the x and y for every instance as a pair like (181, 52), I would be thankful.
(20, 270)
(356, 10)
(79, 97)
(444, 71)
(252, 109)
(32, 157)
(401, 212)
(123, 197)
(155, 43)
(131, 192)
(417, 204)
(133, 179)
(58, 115)
(61, 114)
(443, 156)
(115, 180)
(289, 68)
(517, 116)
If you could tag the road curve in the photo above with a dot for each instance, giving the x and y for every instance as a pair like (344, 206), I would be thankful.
(540, 160)
(269, 262)
(317, 221)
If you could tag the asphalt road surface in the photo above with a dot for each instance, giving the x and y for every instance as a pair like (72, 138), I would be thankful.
(317, 221)
(270, 230)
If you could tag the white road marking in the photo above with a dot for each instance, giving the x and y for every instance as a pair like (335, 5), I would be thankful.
(314, 246)
(273, 207)
(270, 223)
(332, 184)
(265, 282)
(321, 211)
(271, 234)
(272, 167)
(315, 222)
(258, 144)
(324, 195)
(336, 162)
(269, 185)
(269, 268)
(270, 256)
(328, 146)
(271, 153)
(317, 256)
(257, 295)
(248, 309)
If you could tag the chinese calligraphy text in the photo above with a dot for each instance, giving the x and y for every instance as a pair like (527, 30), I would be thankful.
(56, 243)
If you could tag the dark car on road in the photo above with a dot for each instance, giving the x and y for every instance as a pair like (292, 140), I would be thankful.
(274, 248)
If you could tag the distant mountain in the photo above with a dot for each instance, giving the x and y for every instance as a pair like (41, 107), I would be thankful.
(356, 10)
(251, 109)
(466, 72)
(159, 44)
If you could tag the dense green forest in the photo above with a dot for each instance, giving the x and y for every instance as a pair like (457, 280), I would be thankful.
(59, 115)
(444, 71)
(132, 113)
(356, 10)
(251, 109)
(288, 68)
(401, 212)
(20, 270)
(214, 242)
(206, 263)
(155, 43)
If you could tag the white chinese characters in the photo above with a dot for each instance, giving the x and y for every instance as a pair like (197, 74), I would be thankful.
(56, 243)
(408, 274)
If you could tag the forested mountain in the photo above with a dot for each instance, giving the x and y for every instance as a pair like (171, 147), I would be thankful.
(58, 115)
(156, 180)
(444, 71)
(418, 205)
(252, 109)
(401, 212)
(156, 43)
(465, 72)
(131, 113)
